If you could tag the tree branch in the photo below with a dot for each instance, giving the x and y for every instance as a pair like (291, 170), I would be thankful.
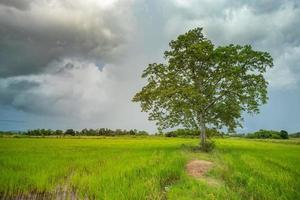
(218, 98)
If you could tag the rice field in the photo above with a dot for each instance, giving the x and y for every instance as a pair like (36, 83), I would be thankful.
(146, 168)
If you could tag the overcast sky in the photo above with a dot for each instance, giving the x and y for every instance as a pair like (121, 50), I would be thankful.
(77, 63)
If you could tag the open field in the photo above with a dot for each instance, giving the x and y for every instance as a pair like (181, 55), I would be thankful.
(146, 168)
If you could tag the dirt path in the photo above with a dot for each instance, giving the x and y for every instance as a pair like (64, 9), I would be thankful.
(197, 168)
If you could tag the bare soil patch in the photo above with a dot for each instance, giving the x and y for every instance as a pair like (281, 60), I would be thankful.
(197, 168)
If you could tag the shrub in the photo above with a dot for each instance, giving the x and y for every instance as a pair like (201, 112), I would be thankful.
(193, 133)
(275, 136)
(209, 146)
(171, 134)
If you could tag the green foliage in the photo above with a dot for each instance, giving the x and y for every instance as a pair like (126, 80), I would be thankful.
(268, 134)
(203, 85)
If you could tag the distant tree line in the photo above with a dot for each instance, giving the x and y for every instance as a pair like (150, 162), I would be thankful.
(83, 132)
(194, 133)
(8, 133)
(268, 134)
(295, 135)
(260, 134)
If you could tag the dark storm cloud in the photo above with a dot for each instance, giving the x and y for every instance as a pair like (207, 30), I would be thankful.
(33, 38)
(10, 88)
(18, 4)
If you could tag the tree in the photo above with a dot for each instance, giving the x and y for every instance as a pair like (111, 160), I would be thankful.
(70, 132)
(284, 134)
(201, 85)
(59, 132)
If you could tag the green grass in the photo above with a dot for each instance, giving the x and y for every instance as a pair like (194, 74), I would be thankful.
(247, 169)
(147, 168)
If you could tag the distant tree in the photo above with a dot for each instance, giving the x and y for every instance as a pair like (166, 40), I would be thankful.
(84, 131)
(142, 133)
(133, 132)
(201, 85)
(59, 132)
(70, 132)
(284, 134)
(119, 132)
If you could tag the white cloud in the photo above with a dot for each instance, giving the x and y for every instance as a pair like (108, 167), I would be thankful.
(76, 89)
(285, 74)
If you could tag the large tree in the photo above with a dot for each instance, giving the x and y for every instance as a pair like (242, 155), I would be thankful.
(202, 85)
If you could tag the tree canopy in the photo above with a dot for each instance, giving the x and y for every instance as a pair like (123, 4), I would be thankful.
(201, 84)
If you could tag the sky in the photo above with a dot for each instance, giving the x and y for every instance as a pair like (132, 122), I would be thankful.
(77, 63)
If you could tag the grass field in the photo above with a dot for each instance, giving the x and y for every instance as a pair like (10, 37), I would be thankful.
(146, 168)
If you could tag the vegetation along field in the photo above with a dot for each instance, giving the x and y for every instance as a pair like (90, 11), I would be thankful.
(147, 168)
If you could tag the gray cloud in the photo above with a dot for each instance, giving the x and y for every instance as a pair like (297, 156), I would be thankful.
(18, 4)
(53, 30)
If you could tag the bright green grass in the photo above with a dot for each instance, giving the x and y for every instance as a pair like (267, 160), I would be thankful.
(148, 168)
(247, 169)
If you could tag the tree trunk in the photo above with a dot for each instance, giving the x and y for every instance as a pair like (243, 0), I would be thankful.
(202, 132)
